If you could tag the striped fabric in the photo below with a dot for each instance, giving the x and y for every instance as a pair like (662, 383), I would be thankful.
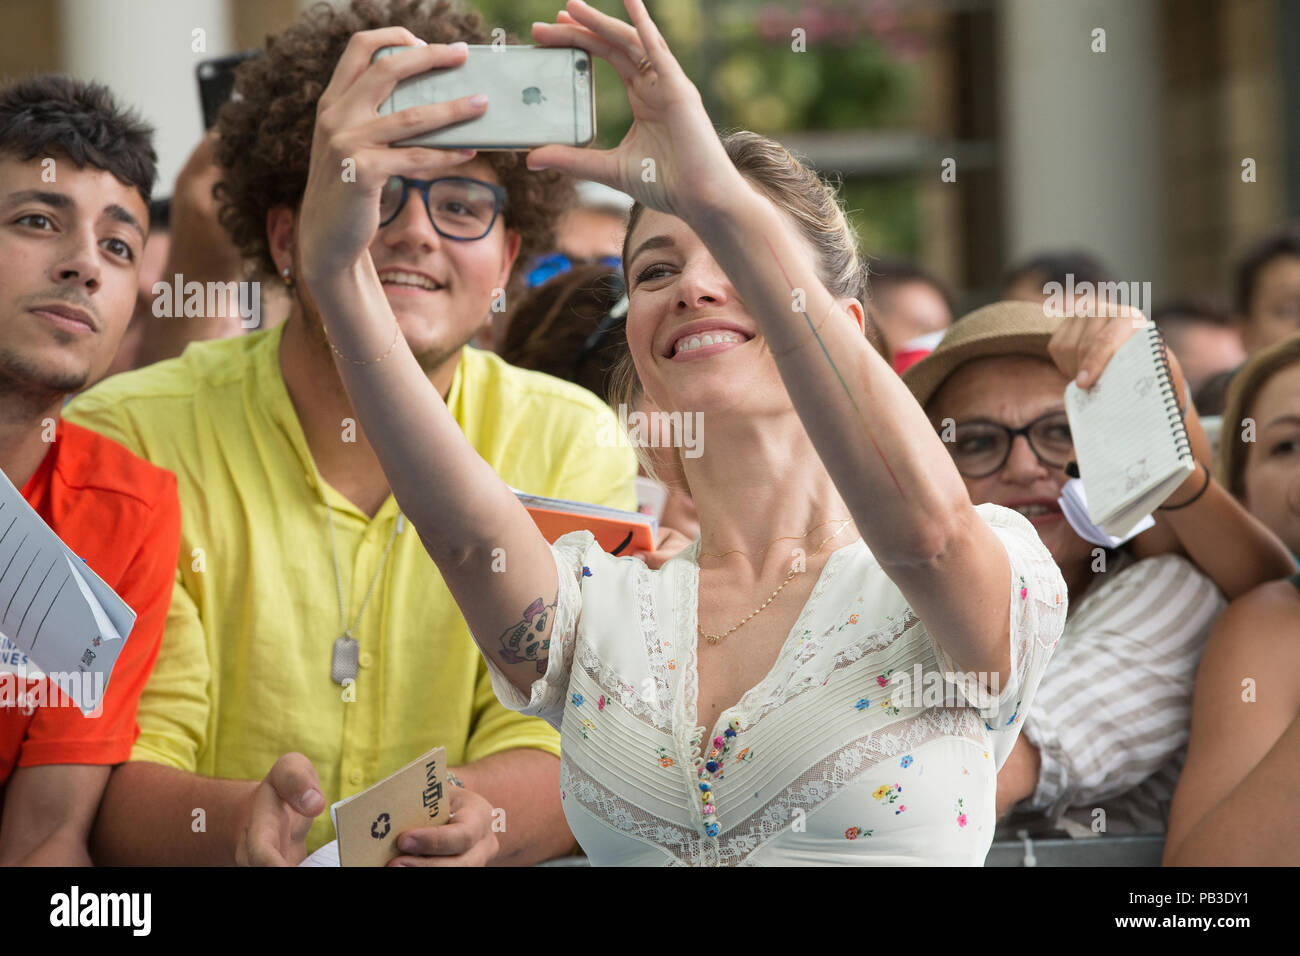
(1112, 714)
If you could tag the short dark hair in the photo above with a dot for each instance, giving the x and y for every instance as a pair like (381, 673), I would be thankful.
(1185, 311)
(160, 213)
(265, 137)
(888, 274)
(1055, 266)
(1212, 395)
(1282, 242)
(55, 113)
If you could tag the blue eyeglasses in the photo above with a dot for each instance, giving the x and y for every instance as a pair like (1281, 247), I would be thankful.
(459, 208)
(548, 267)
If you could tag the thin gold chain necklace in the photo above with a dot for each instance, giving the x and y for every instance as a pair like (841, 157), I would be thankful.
(714, 638)
(787, 537)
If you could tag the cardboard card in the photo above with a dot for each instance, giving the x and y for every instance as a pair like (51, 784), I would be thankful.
(369, 823)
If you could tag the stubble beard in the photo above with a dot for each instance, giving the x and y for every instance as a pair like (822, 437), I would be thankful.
(430, 359)
(26, 388)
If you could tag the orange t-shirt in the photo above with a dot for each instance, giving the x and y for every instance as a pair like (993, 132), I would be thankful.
(122, 515)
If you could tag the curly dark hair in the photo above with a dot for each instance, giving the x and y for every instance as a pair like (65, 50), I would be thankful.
(81, 119)
(265, 137)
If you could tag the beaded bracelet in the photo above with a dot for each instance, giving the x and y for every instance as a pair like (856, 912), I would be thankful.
(1194, 498)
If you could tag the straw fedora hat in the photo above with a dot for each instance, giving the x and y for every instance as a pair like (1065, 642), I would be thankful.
(1003, 328)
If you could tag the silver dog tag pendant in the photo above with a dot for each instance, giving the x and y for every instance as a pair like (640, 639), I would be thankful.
(343, 663)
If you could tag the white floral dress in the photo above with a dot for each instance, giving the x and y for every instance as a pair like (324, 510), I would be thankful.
(850, 751)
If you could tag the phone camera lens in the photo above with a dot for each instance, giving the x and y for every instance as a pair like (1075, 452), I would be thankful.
(582, 66)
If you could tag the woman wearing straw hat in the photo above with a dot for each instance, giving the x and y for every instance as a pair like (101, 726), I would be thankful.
(739, 703)
(1234, 803)
(996, 384)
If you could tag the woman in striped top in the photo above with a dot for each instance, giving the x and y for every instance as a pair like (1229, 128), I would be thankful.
(1108, 729)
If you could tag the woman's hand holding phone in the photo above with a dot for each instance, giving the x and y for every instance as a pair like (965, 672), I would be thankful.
(688, 168)
(351, 156)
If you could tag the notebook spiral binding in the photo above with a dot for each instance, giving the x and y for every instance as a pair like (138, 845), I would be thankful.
(1182, 443)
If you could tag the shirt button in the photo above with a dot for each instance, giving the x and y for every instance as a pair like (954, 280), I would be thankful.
(365, 660)
(355, 776)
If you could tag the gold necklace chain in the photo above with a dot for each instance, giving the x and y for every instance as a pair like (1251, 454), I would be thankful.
(715, 638)
(787, 537)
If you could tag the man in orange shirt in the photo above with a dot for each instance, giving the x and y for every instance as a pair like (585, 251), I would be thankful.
(75, 178)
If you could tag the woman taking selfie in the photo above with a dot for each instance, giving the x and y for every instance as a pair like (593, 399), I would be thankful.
(741, 704)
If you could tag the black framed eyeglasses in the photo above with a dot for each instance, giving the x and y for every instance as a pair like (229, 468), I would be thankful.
(980, 448)
(459, 208)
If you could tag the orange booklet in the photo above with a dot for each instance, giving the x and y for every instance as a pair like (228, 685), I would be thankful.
(617, 531)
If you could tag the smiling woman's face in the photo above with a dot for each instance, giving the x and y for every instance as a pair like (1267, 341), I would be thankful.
(694, 344)
(1272, 469)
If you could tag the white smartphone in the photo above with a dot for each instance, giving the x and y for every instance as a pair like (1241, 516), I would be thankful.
(536, 95)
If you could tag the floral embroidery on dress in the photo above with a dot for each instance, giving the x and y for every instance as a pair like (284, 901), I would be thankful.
(853, 619)
(906, 762)
(672, 664)
(888, 707)
(852, 833)
(664, 759)
(883, 679)
(1013, 717)
(888, 793)
(863, 703)
(1024, 591)
(586, 571)
(961, 812)
(744, 754)
(577, 700)
(600, 704)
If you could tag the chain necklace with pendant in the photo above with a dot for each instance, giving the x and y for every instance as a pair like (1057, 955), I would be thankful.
(346, 656)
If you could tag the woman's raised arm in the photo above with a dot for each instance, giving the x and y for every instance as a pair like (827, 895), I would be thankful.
(462, 510)
(888, 464)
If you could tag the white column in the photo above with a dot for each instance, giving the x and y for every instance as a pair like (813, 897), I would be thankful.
(1081, 146)
(144, 51)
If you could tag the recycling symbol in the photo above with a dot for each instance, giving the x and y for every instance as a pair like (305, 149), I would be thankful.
(379, 829)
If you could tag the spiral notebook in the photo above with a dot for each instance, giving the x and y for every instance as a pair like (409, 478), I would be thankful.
(1130, 439)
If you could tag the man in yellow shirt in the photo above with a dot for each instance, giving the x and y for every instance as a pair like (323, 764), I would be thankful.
(312, 648)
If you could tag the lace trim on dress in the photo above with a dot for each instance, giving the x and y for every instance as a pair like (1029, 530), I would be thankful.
(680, 841)
(628, 695)
(840, 769)
(826, 778)
(802, 677)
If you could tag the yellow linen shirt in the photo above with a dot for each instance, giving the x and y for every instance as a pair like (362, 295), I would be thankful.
(243, 675)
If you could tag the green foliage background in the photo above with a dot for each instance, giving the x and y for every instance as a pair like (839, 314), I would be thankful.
(739, 54)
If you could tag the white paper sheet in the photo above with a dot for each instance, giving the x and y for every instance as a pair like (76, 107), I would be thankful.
(1074, 505)
(328, 855)
(70, 624)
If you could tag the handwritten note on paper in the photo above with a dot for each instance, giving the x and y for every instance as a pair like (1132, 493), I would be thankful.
(369, 823)
(58, 612)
